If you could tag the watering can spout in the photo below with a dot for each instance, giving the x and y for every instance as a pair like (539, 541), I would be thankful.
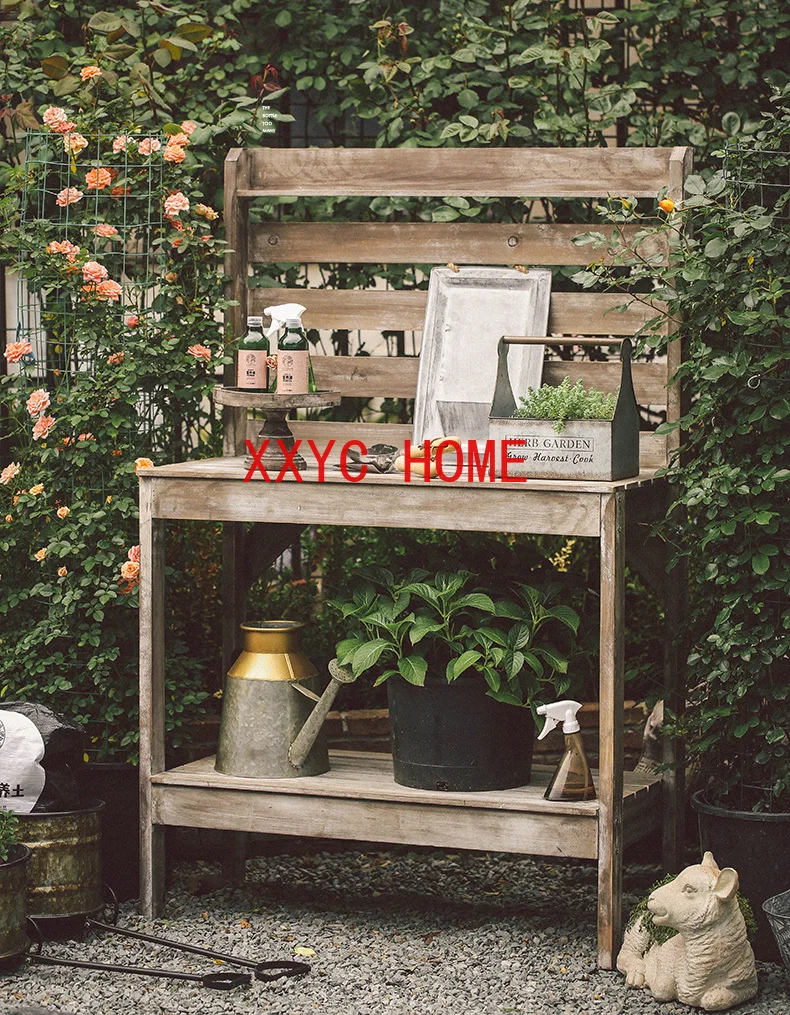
(306, 737)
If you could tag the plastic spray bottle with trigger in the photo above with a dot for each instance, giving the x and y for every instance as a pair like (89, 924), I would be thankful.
(572, 779)
(294, 369)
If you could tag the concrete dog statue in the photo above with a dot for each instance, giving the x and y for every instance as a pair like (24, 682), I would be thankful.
(709, 963)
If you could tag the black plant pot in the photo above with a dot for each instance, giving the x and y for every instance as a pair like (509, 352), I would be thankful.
(757, 845)
(454, 737)
(117, 783)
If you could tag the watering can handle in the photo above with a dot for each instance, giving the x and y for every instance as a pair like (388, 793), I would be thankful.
(305, 738)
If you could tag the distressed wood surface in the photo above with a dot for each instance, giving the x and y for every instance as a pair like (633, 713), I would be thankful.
(152, 700)
(433, 243)
(236, 267)
(404, 310)
(396, 376)
(480, 508)
(611, 690)
(473, 172)
(377, 821)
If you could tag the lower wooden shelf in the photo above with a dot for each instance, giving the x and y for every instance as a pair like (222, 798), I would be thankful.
(358, 800)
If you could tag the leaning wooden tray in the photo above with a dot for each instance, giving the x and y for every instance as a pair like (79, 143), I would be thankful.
(585, 449)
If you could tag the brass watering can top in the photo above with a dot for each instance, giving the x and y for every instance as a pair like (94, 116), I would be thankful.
(272, 651)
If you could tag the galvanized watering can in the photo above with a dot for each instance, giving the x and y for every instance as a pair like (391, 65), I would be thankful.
(272, 717)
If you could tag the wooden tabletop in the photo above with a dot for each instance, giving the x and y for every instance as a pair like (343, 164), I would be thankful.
(234, 470)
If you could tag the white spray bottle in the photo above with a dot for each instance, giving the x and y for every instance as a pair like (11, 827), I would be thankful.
(294, 369)
(572, 779)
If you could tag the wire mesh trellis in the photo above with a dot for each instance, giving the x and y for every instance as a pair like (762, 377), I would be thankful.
(88, 202)
(759, 175)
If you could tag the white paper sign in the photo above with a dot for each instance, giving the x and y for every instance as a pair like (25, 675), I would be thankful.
(21, 775)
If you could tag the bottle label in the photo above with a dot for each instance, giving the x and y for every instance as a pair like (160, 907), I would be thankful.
(292, 371)
(252, 368)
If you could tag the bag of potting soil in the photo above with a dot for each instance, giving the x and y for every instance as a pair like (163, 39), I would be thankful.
(40, 752)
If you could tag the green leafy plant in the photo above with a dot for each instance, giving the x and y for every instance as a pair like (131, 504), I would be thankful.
(563, 402)
(658, 934)
(9, 825)
(445, 624)
(727, 287)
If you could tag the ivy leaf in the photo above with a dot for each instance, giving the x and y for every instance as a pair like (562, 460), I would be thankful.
(760, 563)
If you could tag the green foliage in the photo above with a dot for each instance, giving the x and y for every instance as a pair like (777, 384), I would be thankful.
(420, 622)
(658, 934)
(728, 284)
(563, 402)
(9, 825)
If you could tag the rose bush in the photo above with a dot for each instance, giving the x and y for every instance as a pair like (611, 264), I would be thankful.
(122, 277)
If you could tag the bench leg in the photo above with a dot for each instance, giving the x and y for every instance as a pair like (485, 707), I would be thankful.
(152, 700)
(610, 781)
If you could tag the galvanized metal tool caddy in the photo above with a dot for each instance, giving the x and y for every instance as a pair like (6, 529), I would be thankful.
(584, 449)
(357, 798)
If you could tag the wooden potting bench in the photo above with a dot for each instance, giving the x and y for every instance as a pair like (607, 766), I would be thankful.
(358, 799)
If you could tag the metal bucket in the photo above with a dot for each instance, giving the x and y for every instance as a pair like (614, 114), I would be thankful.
(777, 909)
(64, 877)
(13, 939)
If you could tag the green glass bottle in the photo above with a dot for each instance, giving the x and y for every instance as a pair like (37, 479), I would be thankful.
(252, 370)
(294, 370)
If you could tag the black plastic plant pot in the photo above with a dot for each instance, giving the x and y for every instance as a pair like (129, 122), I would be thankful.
(13, 883)
(454, 737)
(757, 845)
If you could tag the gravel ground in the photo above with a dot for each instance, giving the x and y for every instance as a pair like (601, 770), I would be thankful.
(394, 933)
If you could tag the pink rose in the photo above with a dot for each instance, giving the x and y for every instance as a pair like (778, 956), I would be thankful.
(62, 572)
(92, 271)
(132, 321)
(67, 196)
(64, 247)
(40, 554)
(38, 402)
(130, 570)
(188, 126)
(98, 179)
(86, 437)
(175, 203)
(108, 290)
(134, 554)
(14, 351)
(149, 145)
(119, 144)
(116, 358)
(105, 229)
(74, 142)
(54, 115)
(63, 512)
(9, 472)
(200, 352)
(43, 425)
(90, 72)
(65, 128)
(181, 140)
(174, 153)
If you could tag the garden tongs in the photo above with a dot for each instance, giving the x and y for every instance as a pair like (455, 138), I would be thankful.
(264, 971)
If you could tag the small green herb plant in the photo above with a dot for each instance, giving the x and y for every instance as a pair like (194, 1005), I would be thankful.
(658, 934)
(443, 624)
(8, 834)
(563, 402)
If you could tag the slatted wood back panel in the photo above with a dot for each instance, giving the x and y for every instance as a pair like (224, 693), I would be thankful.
(545, 172)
